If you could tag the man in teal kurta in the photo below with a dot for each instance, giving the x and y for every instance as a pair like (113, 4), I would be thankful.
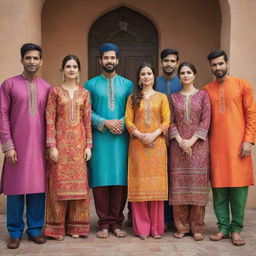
(108, 165)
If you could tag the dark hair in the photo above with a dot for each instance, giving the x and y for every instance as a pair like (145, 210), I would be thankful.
(30, 47)
(137, 94)
(216, 54)
(71, 57)
(189, 65)
(167, 52)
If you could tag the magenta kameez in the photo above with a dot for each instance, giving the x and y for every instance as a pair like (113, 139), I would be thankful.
(22, 128)
(190, 115)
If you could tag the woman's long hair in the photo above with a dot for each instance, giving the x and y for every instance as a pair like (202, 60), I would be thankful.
(137, 91)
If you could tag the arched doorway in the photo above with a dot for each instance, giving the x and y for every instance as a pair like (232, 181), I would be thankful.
(135, 34)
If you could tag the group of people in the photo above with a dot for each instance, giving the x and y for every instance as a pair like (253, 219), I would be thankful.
(157, 142)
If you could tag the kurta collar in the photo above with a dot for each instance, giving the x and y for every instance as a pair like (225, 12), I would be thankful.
(35, 78)
(108, 78)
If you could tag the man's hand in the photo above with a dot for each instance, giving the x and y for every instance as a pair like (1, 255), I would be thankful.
(11, 156)
(114, 126)
(246, 149)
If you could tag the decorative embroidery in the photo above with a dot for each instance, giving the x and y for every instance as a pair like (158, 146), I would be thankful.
(7, 146)
(32, 92)
(111, 94)
(222, 107)
(148, 111)
(168, 87)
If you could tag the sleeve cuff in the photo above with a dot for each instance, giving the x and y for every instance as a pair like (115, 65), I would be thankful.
(173, 133)
(201, 134)
(7, 146)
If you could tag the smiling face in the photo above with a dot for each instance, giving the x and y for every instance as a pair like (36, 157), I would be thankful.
(71, 69)
(147, 77)
(219, 67)
(169, 64)
(109, 61)
(31, 62)
(186, 75)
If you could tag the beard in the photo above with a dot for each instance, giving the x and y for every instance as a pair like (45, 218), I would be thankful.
(220, 73)
(109, 69)
(168, 71)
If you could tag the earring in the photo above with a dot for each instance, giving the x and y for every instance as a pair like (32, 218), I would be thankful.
(140, 84)
(78, 78)
(63, 78)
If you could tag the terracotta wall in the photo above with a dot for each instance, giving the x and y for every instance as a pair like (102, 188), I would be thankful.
(191, 26)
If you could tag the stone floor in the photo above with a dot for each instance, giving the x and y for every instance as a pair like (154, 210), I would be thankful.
(131, 245)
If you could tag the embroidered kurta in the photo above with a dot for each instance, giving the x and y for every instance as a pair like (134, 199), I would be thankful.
(108, 165)
(22, 128)
(233, 122)
(69, 130)
(147, 165)
(190, 115)
(168, 86)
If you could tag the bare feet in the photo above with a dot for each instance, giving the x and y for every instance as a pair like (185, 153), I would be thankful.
(198, 237)
(119, 233)
(75, 236)
(218, 237)
(157, 236)
(179, 235)
(143, 237)
(102, 233)
(59, 238)
(237, 239)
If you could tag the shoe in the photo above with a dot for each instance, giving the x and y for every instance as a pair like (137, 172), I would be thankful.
(13, 243)
(38, 239)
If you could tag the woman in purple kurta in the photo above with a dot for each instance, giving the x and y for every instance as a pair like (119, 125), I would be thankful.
(189, 154)
(22, 122)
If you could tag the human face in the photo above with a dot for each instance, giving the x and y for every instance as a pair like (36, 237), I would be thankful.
(31, 62)
(169, 64)
(147, 77)
(219, 67)
(71, 70)
(187, 76)
(109, 61)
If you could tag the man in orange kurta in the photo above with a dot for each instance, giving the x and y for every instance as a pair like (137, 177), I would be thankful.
(232, 134)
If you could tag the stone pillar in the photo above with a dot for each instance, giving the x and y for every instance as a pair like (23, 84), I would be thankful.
(20, 22)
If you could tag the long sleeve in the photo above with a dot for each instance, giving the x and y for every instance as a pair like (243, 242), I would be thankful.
(5, 108)
(51, 120)
(87, 120)
(204, 124)
(97, 120)
(249, 109)
(129, 116)
(165, 115)
(173, 131)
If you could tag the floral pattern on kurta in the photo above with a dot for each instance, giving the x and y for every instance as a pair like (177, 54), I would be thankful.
(69, 130)
(233, 122)
(190, 115)
(147, 165)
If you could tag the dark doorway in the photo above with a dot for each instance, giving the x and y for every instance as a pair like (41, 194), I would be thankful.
(135, 34)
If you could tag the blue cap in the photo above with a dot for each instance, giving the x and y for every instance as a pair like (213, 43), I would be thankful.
(109, 47)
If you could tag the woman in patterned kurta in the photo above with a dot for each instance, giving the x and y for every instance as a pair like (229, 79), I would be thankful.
(189, 154)
(147, 120)
(69, 139)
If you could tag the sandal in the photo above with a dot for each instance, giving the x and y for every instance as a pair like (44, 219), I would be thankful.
(74, 236)
(143, 237)
(59, 238)
(179, 235)
(198, 237)
(157, 236)
(102, 233)
(119, 233)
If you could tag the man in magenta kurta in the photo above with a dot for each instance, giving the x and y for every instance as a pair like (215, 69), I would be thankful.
(22, 134)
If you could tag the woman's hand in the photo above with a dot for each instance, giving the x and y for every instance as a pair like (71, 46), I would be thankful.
(87, 154)
(54, 154)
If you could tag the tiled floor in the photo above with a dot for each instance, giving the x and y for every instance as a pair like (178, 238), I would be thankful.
(131, 245)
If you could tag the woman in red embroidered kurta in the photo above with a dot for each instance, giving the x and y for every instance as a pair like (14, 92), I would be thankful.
(189, 154)
(69, 139)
